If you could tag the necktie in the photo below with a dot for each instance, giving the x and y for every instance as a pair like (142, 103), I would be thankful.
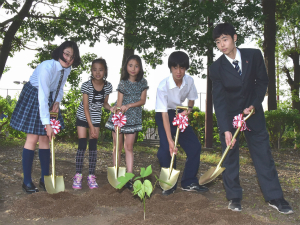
(58, 87)
(236, 66)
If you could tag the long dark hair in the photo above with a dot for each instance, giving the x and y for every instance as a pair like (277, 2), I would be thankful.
(59, 51)
(103, 63)
(125, 74)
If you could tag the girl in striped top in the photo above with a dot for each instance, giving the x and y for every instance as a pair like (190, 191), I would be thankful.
(95, 96)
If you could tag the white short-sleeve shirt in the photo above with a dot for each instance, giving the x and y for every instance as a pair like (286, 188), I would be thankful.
(169, 96)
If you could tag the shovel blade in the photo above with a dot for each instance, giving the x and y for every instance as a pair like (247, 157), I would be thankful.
(166, 177)
(112, 175)
(210, 175)
(54, 187)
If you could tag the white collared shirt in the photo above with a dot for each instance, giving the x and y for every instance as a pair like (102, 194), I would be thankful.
(168, 95)
(237, 57)
(45, 78)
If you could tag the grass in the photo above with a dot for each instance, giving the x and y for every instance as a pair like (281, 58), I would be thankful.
(214, 158)
(11, 142)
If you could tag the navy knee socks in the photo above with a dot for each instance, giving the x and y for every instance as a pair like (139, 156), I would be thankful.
(27, 160)
(82, 142)
(92, 156)
(44, 155)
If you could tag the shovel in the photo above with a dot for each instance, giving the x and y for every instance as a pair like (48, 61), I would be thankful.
(114, 172)
(214, 172)
(54, 184)
(170, 175)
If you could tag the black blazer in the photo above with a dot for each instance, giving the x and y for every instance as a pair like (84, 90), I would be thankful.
(233, 93)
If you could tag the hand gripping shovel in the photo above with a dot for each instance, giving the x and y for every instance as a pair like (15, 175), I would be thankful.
(54, 184)
(214, 172)
(114, 172)
(170, 175)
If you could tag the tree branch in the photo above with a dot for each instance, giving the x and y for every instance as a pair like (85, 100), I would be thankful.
(10, 34)
(289, 78)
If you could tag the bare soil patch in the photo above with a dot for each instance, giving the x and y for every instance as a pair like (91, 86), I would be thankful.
(106, 205)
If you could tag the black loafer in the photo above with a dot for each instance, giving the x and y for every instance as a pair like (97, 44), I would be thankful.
(129, 185)
(195, 187)
(42, 185)
(168, 192)
(235, 205)
(29, 189)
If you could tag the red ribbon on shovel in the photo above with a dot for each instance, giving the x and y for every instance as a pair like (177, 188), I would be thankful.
(239, 121)
(55, 124)
(181, 121)
(119, 119)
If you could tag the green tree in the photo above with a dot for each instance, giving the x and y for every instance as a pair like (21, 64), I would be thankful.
(289, 44)
(15, 34)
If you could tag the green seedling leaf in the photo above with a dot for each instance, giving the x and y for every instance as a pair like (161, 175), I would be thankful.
(137, 186)
(163, 181)
(139, 189)
(144, 172)
(147, 172)
(148, 187)
(124, 179)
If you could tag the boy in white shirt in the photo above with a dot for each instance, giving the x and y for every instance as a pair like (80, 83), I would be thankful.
(171, 92)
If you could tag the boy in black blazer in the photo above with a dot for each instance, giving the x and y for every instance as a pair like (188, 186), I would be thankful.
(239, 81)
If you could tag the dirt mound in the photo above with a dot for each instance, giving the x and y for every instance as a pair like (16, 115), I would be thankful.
(185, 208)
(65, 204)
(178, 208)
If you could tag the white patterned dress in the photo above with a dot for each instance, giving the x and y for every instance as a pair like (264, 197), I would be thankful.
(132, 92)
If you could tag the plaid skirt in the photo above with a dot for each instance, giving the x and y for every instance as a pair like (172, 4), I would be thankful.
(26, 115)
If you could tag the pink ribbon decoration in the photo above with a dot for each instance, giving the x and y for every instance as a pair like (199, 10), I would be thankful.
(55, 124)
(238, 121)
(181, 121)
(119, 119)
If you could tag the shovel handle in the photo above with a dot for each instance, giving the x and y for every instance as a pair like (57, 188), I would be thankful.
(173, 155)
(181, 107)
(234, 136)
(117, 149)
(54, 114)
(53, 162)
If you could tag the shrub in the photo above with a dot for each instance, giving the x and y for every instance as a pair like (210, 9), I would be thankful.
(283, 125)
(7, 106)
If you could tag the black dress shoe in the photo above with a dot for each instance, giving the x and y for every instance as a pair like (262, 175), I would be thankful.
(42, 185)
(195, 187)
(129, 185)
(235, 205)
(168, 192)
(29, 189)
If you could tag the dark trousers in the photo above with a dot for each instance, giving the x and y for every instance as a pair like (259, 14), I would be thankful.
(260, 151)
(188, 141)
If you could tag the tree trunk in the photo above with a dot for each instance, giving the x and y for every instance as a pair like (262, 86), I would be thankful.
(209, 101)
(10, 34)
(130, 19)
(269, 49)
(295, 90)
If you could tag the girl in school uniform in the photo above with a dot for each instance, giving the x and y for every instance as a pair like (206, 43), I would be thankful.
(132, 93)
(40, 96)
(95, 96)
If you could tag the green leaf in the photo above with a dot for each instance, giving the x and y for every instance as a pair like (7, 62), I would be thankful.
(163, 181)
(124, 179)
(148, 187)
(139, 189)
(147, 172)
